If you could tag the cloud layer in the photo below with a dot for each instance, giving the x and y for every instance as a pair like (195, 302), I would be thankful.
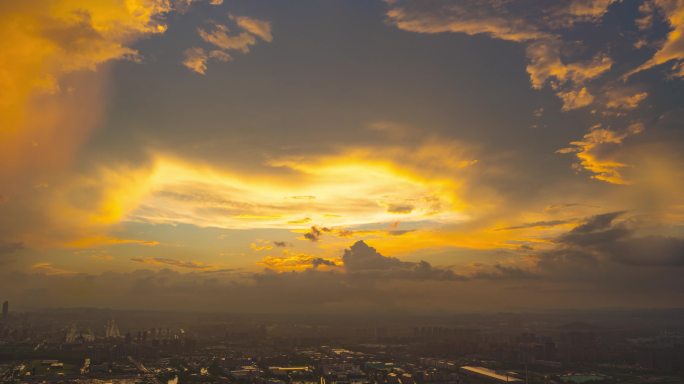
(434, 156)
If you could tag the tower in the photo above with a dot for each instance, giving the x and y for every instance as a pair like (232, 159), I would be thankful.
(112, 330)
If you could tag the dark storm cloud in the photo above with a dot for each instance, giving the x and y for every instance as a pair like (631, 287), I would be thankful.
(363, 260)
(315, 233)
(321, 261)
(360, 257)
(603, 238)
(596, 230)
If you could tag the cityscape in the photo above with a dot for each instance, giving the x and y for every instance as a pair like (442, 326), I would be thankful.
(90, 346)
(342, 191)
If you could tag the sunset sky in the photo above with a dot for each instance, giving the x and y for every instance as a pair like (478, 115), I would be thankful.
(428, 156)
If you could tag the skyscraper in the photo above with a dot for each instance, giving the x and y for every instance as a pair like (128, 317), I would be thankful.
(112, 330)
(5, 309)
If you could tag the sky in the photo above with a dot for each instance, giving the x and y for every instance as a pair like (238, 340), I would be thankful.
(339, 156)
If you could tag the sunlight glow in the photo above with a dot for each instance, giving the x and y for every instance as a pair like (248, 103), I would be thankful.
(342, 191)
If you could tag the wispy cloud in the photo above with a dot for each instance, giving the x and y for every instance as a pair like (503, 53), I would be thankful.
(538, 31)
(672, 51)
(49, 269)
(223, 41)
(595, 155)
(256, 27)
(164, 261)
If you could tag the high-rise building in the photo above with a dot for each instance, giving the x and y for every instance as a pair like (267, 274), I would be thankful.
(5, 309)
(112, 330)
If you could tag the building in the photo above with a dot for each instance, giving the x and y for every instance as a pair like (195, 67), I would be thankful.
(5, 310)
(489, 375)
(112, 330)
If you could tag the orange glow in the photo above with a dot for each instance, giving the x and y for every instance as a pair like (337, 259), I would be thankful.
(348, 189)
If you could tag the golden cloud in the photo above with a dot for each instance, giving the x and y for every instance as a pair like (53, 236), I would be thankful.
(543, 44)
(46, 39)
(220, 37)
(354, 187)
(574, 99)
(622, 99)
(49, 269)
(673, 48)
(594, 155)
(351, 188)
(256, 27)
(51, 96)
(299, 262)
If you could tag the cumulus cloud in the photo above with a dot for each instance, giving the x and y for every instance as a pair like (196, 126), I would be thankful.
(361, 259)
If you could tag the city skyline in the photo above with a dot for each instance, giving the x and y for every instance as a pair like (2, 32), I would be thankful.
(337, 156)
